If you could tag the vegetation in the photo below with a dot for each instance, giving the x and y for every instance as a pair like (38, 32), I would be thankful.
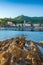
(20, 19)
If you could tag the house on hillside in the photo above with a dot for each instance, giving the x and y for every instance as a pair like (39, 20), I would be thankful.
(9, 23)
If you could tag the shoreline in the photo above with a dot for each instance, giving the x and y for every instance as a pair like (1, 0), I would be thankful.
(26, 28)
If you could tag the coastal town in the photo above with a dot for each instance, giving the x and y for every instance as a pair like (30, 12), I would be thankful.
(22, 23)
(22, 26)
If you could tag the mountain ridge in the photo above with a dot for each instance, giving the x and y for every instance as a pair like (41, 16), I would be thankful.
(29, 19)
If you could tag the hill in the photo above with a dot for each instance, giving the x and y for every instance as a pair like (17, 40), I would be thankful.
(21, 19)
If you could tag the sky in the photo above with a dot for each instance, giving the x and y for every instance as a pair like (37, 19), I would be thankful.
(14, 8)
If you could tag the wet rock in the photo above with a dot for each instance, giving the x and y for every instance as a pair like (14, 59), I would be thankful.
(41, 44)
(12, 52)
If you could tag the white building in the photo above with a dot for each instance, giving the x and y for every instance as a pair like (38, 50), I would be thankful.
(10, 23)
(36, 24)
(26, 24)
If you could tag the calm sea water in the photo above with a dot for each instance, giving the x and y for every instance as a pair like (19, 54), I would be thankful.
(34, 36)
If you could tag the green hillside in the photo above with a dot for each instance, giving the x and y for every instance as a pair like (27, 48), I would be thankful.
(20, 19)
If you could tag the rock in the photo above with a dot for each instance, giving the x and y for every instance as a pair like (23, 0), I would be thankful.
(41, 43)
(12, 52)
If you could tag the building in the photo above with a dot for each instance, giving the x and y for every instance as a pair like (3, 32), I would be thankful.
(10, 23)
(26, 24)
(36, 25)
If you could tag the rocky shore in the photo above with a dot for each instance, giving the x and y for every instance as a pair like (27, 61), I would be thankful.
(19, 51)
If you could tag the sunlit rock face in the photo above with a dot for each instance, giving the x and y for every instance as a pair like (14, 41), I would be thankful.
(19, 51)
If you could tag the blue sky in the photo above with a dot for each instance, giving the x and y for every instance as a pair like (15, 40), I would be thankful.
(13, 8)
